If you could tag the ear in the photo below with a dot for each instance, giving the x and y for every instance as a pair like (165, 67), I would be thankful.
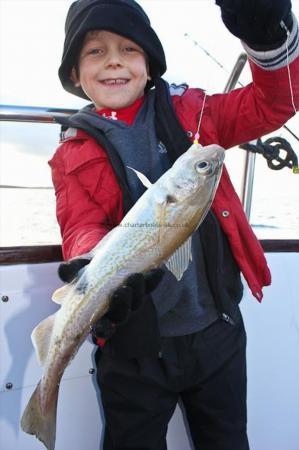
(74, 78)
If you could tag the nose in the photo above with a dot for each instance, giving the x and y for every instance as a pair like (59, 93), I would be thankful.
(113, 59)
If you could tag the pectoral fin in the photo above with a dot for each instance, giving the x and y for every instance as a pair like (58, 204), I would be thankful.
(60, 293)
(144, 180)
(179, 261)
(41, 336)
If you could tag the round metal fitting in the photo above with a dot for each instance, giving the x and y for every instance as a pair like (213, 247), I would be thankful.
(5, 298)
(91, 371)
(225, 213)
(9, 385)
(189, 134)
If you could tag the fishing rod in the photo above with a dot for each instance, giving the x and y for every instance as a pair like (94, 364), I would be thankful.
(219, 64)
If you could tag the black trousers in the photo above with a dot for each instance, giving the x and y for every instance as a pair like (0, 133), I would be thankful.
(206, 370)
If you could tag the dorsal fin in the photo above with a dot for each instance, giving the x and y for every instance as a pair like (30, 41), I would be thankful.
(41, 336)
(144, 180)
(179, 261)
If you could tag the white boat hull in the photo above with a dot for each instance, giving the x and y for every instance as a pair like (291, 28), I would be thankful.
(273, 364)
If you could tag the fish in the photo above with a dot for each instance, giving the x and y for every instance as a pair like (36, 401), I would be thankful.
(157, 230)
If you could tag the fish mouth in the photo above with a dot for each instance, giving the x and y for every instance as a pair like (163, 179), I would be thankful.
(217, 162)
(221, 158)
(218, 157)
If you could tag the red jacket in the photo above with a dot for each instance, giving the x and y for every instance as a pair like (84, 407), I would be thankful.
(89, 197)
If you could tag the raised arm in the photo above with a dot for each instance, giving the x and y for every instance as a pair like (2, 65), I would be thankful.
(269, 33)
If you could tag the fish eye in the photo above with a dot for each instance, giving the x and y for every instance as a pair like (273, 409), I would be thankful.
(204, 167)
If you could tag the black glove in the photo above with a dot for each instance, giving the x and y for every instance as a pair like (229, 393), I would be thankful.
(257, 22)
(68, 270)
(126, 300)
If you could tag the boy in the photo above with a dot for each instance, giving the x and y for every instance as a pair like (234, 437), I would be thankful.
(186, 340)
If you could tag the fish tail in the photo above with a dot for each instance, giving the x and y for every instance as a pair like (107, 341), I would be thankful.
(42, 425)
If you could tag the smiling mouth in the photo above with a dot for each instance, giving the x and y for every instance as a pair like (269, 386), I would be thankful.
(114, 81)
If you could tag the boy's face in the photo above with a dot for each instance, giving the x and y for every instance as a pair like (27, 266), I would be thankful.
(112, 70)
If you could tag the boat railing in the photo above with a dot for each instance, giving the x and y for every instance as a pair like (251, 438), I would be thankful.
(37, 114)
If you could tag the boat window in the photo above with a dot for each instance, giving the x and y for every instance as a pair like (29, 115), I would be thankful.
(274, 212)
(27, 198)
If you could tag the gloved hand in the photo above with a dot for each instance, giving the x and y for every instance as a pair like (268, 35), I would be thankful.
(68, 270)
(125, 300)
(257, 22)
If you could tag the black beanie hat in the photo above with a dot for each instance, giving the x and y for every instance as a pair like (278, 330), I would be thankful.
(124, 17)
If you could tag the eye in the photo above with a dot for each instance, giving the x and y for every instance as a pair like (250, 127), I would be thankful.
(204, 167)
(94, 51)
(130, 49)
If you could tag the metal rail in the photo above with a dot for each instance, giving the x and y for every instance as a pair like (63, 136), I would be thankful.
(236, 72)
(247, 185)
(14, 113)
(248, 175)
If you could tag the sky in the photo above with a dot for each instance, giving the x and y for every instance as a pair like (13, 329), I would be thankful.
(31, 41)
(32, 33)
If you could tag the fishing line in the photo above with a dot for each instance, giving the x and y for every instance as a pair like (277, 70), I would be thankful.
(196, 137)
(283, 25)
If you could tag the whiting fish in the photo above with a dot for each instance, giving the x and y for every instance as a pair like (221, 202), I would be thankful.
(158, 229)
